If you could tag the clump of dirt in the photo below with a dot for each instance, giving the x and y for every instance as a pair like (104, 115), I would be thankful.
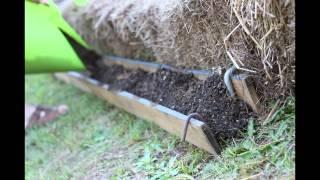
(184, 93)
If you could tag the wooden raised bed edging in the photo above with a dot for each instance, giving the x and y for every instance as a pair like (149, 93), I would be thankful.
(172, 121)
(152, 66)
(198, 133)
(244, 90)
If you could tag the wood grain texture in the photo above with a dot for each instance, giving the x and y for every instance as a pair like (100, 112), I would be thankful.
(172, 121)
(246, 92)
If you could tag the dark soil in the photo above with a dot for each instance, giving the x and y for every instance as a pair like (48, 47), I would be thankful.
(179, 91)
(184, 93)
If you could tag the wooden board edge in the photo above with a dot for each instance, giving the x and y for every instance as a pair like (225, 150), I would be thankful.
(205, 140)
(246, 92)
(131, 64)
(153, 67)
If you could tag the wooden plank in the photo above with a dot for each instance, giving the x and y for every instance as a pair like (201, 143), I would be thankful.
(131, 64)
(153, 67)
(172, 121)
(69, 80)
(246, 92)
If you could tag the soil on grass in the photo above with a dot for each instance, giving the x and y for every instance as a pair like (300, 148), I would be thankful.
(184, 93)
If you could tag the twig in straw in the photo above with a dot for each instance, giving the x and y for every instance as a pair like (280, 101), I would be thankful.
(267, 34)
(236, 65)
(246, 30)
(265, 12)
(255, 10)
(266, 70)
(238, 59)
(264, 8)
(233, 60)
(227, 37)
(244, 69)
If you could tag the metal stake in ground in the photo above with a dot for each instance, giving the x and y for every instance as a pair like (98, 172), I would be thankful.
(187, 124)
(228, 82)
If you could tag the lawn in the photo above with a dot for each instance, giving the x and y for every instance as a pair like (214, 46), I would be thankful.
(95, 140)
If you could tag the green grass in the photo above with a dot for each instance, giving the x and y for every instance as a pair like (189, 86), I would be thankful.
(97, 140)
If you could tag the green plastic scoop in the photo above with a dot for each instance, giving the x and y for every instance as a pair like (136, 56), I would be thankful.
(46, 48)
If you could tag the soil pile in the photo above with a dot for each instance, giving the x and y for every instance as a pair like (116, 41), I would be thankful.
(184, 93)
